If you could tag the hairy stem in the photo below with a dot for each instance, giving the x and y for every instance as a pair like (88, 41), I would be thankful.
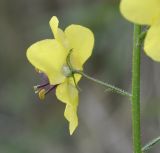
(108, 87)
(151, 144)
(136, 90)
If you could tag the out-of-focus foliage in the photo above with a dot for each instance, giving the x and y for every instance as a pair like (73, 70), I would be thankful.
(30, 126)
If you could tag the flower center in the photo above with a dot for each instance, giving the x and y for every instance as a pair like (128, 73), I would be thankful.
(43, 89)
(66, 71)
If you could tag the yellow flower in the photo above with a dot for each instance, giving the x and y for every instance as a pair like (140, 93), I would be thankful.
(145, 12)
(49, 56)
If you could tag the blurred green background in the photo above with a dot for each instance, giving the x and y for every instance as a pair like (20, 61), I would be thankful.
(28, 125)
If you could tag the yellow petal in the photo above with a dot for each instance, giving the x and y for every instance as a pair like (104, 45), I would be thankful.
(58, 33)
(141, 11)
(81, 40)
(152, 42)
(67, 93)
(71, 115)
(54, 25)
(48, 56)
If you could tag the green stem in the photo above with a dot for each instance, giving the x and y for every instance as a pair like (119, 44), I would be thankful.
(136, 90)
(106, 85)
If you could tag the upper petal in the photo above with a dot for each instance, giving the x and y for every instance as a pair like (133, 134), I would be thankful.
(141, 11)
(57, 32)
(152, 42)
(67, 93)
(49, 57)
(54, 22)
(81, 40)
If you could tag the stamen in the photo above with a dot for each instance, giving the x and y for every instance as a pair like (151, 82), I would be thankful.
(37, 88)
(41, 94)
(50, 89)
(37, 70)
(43, 89)
(36, 91)
(40, 86)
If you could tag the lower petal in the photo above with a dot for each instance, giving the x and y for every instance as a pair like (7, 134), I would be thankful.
(152, 42)
(71, 115)
(67, 93)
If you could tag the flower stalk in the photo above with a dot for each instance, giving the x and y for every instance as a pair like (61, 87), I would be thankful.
(136, 89)
(108, 86)
(151, 144)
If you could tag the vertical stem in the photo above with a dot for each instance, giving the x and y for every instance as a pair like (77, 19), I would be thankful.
(136, 90)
